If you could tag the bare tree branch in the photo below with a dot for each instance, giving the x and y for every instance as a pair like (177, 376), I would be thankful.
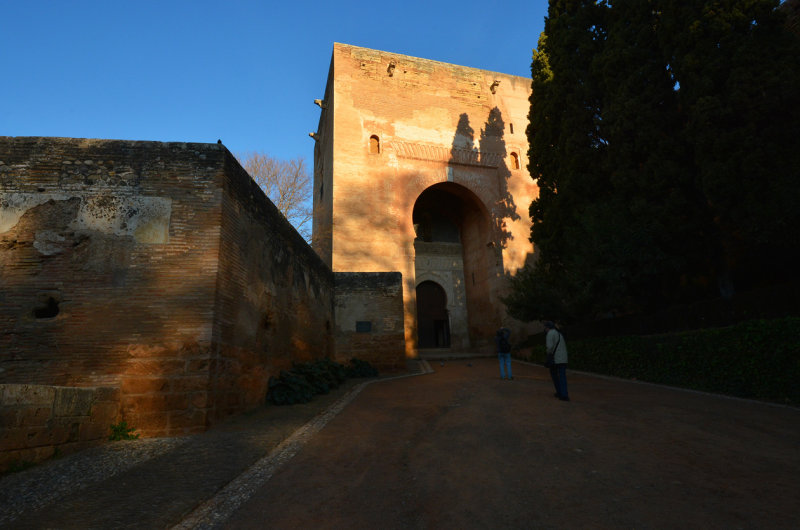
(286, 183)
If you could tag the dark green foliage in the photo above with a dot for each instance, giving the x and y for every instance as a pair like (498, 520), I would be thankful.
(663, 137)
(289, 388)
(15, 466)
(317, 375)
(336, 371)
(358, 368)
(759, 359)
(305, 380)
(121, 431)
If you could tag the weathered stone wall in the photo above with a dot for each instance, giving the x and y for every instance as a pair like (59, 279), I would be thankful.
(369, 319)
(323, 176)
(401, 125)
(36, 421)
(274, 297)
(109, 255)
(158, 268)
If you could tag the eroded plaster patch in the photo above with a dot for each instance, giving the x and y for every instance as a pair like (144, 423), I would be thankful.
(48, 242)
(146, 219)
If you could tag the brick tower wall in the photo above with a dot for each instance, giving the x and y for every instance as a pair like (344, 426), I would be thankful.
(395, 126)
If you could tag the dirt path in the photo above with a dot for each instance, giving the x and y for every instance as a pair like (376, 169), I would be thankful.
(460, 448)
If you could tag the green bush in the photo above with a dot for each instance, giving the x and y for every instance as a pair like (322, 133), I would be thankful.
(758, 359)
(317, 375)
(289, 388)
(358, 368)
(305, 380)
(15, 466)
(121, 431)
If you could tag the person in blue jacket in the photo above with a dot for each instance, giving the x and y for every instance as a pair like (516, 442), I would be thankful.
(501, 338)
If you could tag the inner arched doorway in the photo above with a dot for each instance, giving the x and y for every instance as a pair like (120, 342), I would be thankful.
(453, 250)
(433, 321)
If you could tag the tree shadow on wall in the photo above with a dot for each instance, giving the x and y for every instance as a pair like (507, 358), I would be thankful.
(491, 157)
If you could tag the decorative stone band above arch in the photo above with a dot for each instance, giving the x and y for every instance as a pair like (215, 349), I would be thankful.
(451, 155)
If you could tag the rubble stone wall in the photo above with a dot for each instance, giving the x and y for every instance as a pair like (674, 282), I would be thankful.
(38, 421)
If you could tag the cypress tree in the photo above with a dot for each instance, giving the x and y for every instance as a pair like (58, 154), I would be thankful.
(663, 137)
(739, 76)
(564, 159)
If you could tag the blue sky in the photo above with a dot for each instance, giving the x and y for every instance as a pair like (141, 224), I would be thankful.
(246, 72)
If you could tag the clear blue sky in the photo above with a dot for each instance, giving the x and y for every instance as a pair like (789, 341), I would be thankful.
(246, 72)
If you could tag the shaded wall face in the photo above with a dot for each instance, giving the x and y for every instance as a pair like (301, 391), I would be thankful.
(442, 264)
(323, 178)
(369, 319)
(274, 299)
(436, 123)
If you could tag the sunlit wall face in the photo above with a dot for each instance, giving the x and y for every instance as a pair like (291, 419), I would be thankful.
(402, 125)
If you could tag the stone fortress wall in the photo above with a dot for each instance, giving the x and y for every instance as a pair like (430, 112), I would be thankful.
(156, 273)
(155, 283)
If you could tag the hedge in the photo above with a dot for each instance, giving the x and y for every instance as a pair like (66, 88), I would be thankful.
(758, 359)
(305, 380)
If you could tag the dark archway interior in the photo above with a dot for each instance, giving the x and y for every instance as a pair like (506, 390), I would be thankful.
(433, 324)
(451, 213)
(437, 217)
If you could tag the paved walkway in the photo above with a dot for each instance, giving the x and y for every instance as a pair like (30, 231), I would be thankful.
(459, 448)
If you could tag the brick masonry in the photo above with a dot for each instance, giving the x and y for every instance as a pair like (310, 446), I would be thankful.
(394, 128)
(160, 269)
(369, 319)
(162, 272)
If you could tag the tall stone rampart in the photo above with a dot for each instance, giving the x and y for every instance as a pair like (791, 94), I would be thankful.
(157, 268)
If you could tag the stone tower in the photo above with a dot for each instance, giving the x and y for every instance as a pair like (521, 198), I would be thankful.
(420, 167)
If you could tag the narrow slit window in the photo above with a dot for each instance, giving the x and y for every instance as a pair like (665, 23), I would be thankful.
(374, 145)
(514, 161)
(511, 127)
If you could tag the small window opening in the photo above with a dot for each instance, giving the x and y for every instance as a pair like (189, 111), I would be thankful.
(363, 326)
(514, 161)
(48, 310)
(374, 145)
(511, 127)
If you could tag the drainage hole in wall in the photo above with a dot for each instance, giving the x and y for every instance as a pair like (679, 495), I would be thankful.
(48, 310)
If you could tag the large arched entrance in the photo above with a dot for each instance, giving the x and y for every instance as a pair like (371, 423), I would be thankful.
(453, 251)
(433, 322)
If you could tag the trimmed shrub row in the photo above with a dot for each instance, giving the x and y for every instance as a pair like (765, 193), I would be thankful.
(305, 380)
(758, 359)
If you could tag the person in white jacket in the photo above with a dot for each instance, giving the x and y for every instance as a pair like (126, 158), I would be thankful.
(557, 346)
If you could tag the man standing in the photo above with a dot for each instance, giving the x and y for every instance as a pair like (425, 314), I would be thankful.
(504, 352)
(556, 347)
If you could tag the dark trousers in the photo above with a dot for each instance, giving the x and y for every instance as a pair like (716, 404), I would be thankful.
(559, 374)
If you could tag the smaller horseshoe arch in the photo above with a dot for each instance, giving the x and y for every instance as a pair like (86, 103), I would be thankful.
(433, 319)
